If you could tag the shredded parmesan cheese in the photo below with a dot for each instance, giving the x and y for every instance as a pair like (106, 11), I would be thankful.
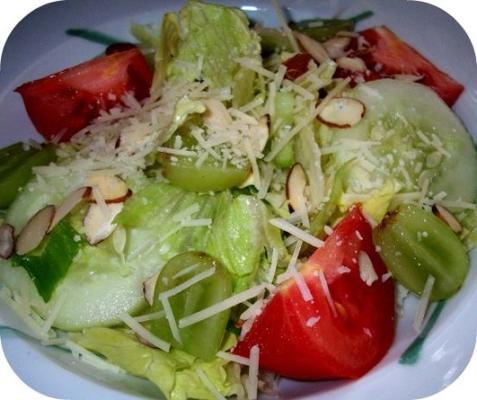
(144, 333)
(252, 381)
(366, 268)
(273, 266)
(186, 271)
(209, 384)
(150, 317)
(326, 291)
(297, 232)
(386, 276)
(221, 306)
(423, 303)
(52, 315)
(176, 152)
(280, 144)
(164, 297)
(234, 358)
(255, 66)
(312, 321)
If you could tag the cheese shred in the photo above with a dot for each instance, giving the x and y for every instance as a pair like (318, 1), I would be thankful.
(423, 303)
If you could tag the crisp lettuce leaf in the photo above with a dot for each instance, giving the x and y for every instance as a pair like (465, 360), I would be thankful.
(212, 37)
(184, 108)
(147, 35)
(236, 238)
(379, 201)
(102, 282)
(167, 48)
(175, 373)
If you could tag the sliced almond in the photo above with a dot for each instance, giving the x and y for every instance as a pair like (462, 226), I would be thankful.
(98, 224)
(296, 186)
(353, 64)
(7, 241)
(312, 47)
(112, 188)
(342, 112)
(149, 287)
(262, 131)
(216, 114)
(446, 216)
(68, 205)
(335, 47)
(408, 77)
(35, 230)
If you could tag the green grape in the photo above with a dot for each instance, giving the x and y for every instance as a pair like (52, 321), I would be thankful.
(208, 177)
(212, 175)
(203, 339)
(415, 244)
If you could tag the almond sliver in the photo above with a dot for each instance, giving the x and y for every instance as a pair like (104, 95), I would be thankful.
(342, 112)
(7, 241)
(35, 230)
(68, 205)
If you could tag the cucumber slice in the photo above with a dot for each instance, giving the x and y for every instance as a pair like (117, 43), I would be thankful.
(101, 284)
(414, 136)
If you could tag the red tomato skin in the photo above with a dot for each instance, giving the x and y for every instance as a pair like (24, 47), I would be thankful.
(297, 65)
(344, 346)
(61, 104)
(396, 57)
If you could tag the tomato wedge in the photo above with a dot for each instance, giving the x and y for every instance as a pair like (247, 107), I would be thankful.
(313, 340)
(387, 55)
(61, 104)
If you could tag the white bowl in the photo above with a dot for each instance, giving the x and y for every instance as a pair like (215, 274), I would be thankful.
(39, 46)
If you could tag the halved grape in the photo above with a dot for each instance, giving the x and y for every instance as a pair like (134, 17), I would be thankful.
(415, 244)
(183, 172)
(211, 175)
(203, 339)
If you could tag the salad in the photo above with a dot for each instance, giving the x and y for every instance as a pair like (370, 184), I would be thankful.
(222, 204)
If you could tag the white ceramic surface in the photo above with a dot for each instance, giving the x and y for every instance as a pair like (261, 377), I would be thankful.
(39, 46)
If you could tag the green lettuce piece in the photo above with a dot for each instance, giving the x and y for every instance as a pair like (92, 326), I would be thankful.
(237, 238)
(319, 220)
(148, 36)
(184, 108)
(243, 88)
(167, 48)
(106, 279)
(175, 373)
(213, 36)
(379, 201)
(50, 263)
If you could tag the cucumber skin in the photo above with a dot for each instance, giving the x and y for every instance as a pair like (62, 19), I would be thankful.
(7, 152)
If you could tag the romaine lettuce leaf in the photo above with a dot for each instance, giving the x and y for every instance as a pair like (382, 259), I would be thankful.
(236, 238)
(212, 37)
(167, 47)
(175, 373)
